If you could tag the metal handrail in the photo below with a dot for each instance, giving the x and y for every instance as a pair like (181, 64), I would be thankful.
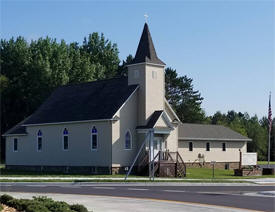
(137, 156)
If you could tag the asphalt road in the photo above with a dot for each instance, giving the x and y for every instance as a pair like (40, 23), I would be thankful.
(230, 196)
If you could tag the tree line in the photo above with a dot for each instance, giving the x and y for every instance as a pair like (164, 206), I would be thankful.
(30, 71)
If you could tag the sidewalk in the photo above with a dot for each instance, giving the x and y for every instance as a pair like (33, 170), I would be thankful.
(118, 204)
(260, 181)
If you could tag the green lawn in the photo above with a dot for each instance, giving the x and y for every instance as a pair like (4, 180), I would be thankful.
(265, 162)
(206, 173)
(192, 173)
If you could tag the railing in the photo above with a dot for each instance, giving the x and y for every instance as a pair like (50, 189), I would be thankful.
(180, 167)
(173, 157)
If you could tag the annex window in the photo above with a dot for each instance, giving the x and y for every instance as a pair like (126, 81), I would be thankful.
(223, 147)
(207, 146)
(39, 141)
(15, 144)
(128, 140)
(190, 146)
(65, 139)
(94, 138)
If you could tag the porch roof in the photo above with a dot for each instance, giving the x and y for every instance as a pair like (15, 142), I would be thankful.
(152, 120)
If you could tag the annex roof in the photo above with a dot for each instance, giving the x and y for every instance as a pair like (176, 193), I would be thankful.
(146, 51)
(209, 132)
(98, 100)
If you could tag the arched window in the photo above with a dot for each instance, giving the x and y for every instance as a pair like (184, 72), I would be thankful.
(39, 141)
(128, 140)
(65, 139)
(94, 143)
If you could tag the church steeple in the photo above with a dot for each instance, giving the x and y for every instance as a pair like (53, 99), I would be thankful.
(146, 51)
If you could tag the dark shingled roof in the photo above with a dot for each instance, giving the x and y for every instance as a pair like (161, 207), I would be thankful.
(146, 51)
(80, 102)
(17, 130)
(152, 120)
(207, 131)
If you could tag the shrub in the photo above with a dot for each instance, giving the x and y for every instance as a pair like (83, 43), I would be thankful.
(78, 208)
(35, 207)
(1, 207)
(19, 204)
(5, 198)
(54, 206)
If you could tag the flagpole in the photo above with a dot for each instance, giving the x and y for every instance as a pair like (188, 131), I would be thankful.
(268, 148)
(269, 130)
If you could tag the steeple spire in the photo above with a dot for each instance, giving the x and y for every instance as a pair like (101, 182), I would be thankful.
(146, 51)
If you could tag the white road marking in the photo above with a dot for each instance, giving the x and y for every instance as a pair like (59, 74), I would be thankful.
(179, 191)
(111, 188)
(138, 189)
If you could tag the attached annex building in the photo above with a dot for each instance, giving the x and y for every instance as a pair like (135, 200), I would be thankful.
(99, 126)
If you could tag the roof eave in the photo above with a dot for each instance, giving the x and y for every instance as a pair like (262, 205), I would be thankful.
(213, 139)
(10, 135)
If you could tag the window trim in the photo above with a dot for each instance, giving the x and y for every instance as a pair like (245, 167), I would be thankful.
(190, 146)
(65, 133)
(37, 140)
(207, 149)
(224, 145)
(94, 133)
(131, 138)
(16, 144)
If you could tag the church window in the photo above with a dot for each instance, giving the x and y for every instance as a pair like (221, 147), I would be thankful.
(128, 140)
(94, 138)
(136, 74)
(207, 146)
(39, 141)
(154, 74)
(15, 144)
(65, 139)
(190, 146)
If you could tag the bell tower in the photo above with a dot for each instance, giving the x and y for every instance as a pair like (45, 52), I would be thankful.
(147, 70)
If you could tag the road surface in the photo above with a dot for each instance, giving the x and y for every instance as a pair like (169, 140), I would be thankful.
(244, 197)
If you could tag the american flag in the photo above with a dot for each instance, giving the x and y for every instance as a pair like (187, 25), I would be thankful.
(269, 114)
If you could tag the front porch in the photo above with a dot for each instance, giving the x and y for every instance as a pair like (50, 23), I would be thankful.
(164, 164)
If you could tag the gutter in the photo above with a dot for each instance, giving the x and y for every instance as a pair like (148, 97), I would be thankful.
(213, 139)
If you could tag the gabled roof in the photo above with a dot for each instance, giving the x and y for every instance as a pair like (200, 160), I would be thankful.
(146, 51)
(209, 132)
(87, 101)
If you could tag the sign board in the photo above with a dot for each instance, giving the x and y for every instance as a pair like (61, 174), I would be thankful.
(249, 159)
(212, 162)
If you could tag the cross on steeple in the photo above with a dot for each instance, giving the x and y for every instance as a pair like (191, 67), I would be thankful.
(146, 17)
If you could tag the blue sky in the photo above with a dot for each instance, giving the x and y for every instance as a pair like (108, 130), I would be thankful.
(227, 47)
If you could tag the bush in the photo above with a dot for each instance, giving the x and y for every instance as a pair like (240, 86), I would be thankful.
(35, 207)
(59, 207)
(40, 204)
(5, 198)
(19, 204)
(78, 208)
(1, 207)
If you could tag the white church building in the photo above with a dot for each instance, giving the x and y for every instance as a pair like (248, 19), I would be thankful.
(99, 127)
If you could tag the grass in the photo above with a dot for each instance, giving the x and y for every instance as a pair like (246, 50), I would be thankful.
(197, 174)
(265, 162)
(206, 173)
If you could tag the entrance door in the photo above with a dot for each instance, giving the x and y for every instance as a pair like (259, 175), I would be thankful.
(157, 146)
